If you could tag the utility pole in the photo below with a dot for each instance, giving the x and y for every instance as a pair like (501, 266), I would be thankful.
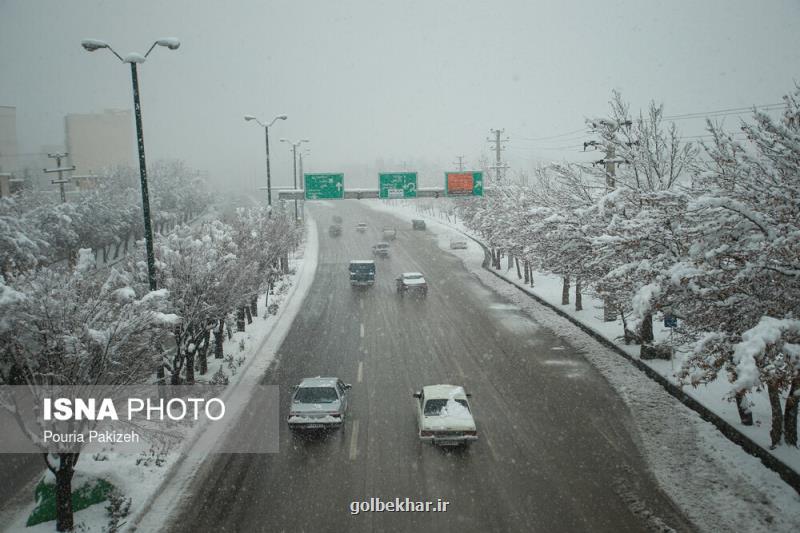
(610, 162)
(294, 174)
(460, 162)
(60, 181)
(499, 165)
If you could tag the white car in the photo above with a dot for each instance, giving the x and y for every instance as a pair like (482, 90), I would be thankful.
(318, 403)
(444, 416)
(458, 244)
(412, 283)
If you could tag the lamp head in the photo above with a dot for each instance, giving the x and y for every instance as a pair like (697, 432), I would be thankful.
(90, 45)
(170, 42)
(249, 117)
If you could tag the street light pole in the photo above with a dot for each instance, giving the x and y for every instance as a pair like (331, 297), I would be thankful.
(269, 180)
(90, 45)
(266, 136)
(294, 166)
(148, 228)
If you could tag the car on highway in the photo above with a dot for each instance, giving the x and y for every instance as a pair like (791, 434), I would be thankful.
(381, 249)
(318, 403)
(412, 283)
(389, 233)
(362, 272)
(444, 416)
(418, 223)
(337, 219)
(361, 227)
(335, 230)
(458, 244)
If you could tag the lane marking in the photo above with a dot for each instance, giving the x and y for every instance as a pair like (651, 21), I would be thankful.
(360, 371)
(354, 441)
(362, 331)
(491, 447)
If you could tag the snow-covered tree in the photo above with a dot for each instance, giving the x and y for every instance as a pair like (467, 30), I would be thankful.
(75, 328)
(642, 233)
(740, 282)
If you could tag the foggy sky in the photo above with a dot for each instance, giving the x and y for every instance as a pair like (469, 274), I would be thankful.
(375, 83)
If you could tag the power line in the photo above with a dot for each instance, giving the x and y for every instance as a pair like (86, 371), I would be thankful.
(722, 112)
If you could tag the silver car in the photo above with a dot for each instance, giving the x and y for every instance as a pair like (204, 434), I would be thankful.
(318, 403)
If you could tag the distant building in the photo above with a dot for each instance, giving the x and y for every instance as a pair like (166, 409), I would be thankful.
(97, 141)
(8, 139)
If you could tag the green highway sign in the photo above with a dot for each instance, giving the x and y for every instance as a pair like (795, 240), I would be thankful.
(465, 183)
(397, 185)
(324, 186)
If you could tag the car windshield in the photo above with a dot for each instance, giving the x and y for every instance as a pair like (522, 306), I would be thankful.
(413, 276)
(316, 395)
(362, 267)
(440, 407)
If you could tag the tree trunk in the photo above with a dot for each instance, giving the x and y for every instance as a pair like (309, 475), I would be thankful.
(125, 243)
(105, 254)
(510, 259)
(203, 355)
(745, 415)
(790, 413)
(248, 314)
(565, 291)
(776, 432)
(254, 305)
(228, 330)
(190, 354)
(527, 270)
(160, 374)
(218, 339)
(578, 296)
(240, 319)
(64, 473)
(516, 262)
(646, 329)
(175, 373)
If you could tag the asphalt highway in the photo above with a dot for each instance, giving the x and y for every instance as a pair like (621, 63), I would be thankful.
(556, 449)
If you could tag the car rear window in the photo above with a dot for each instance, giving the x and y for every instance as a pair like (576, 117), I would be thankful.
(435, 407)
(316, 395)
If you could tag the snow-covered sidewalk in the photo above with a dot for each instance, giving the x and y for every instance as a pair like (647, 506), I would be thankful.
(716, 483)
(155, 482)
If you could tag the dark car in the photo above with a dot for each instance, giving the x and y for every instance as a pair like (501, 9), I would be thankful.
(418, 223)
(335, 230)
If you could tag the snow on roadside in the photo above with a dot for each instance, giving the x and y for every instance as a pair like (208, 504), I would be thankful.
(716, 484)
(155, 481)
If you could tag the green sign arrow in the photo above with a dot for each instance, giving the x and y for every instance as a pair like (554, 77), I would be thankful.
(397, 185)
(324, 186)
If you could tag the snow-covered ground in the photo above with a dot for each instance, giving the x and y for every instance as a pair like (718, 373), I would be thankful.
(152, 487)
(718, 485)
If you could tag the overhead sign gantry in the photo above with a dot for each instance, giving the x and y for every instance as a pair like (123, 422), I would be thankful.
(391, 185)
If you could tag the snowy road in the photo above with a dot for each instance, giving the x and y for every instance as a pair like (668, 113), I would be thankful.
(556, 450)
